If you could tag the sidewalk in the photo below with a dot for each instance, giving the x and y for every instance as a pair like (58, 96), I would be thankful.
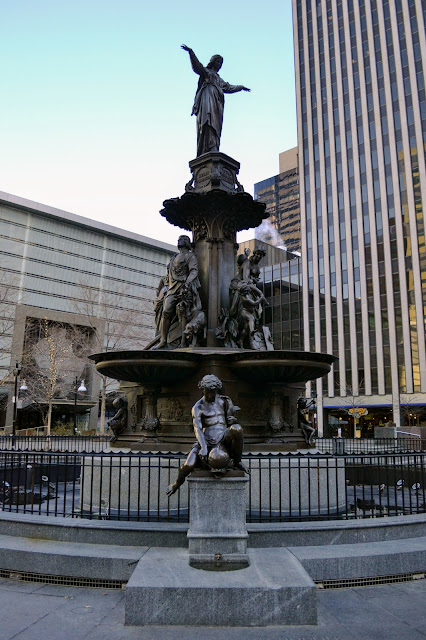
(32, 611)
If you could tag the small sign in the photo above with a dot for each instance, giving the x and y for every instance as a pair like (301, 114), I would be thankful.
(358, 412)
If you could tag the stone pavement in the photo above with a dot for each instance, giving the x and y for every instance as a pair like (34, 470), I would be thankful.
(31, 611)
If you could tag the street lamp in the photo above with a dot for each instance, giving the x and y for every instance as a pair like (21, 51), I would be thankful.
(16, 373)
(81, 388)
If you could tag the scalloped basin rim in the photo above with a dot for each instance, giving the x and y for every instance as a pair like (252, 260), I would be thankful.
(166, 366)
(196, 354)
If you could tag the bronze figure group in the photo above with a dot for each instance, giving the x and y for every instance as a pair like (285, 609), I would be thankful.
(241, 326)
(177, 295)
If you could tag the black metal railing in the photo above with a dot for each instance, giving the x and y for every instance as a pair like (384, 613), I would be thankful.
(96, 444)
(87, 444)
(341, 446)
(282, 487)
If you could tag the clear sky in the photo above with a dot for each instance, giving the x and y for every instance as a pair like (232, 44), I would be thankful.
(96, 97)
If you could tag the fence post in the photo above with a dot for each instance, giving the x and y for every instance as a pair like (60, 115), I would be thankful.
(338, 446)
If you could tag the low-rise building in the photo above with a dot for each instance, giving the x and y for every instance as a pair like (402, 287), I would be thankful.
(71, 270)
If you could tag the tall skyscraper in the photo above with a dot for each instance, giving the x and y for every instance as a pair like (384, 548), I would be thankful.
(281, 196)
(360, 85)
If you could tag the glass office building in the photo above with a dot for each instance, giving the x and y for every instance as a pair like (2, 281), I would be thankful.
(281, 282)
(280, 193)
(360, 86)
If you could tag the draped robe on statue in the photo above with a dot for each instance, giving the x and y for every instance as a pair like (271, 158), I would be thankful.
(208, 106)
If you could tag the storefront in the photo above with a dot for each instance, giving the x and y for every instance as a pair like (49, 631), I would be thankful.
(346, 420)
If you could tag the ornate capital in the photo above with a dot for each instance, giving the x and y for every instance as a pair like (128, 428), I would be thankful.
(193, 210)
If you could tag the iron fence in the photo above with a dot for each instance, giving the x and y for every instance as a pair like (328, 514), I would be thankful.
(341, 446)
(281, 488)
(98, 444)
(87, 444)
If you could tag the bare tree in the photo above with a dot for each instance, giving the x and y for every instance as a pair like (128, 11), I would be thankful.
(412, 409)
(54, 353)
(355, 405)
(125, 325)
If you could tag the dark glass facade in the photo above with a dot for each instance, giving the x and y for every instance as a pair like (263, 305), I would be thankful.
(281, 196)
(281, 283)
(282, 287)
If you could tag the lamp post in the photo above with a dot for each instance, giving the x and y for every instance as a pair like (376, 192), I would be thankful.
(314, 396)
(81, 388)
(16, 373)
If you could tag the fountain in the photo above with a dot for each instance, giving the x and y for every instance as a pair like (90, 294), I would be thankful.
(209, 320)
(209, 328)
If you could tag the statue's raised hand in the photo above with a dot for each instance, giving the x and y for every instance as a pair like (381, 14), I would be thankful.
(245, 89)
(185, 48)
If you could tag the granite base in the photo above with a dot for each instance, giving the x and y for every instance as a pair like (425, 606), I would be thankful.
(274, 590)
(217, 533)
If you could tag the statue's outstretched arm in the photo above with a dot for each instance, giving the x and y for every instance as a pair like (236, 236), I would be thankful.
(233, 88)
(196, 64)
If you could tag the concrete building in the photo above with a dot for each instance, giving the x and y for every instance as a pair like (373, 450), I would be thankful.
(360, 86)
(77, 271)
(281, 196)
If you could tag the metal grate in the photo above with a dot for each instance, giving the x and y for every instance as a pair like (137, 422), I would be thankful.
(99, 583)
(67, 581)
(368, 582)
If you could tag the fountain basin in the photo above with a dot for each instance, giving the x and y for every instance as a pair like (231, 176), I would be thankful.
(164, 366)
(161, 389)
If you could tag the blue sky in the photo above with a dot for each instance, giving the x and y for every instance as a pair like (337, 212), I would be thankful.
(96, 98)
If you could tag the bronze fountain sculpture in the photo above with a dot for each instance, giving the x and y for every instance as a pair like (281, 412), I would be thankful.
(209, 328)
(219, 444)
(209, 312)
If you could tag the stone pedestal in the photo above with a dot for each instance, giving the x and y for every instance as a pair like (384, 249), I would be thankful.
(274, 590)
(217, 533)
(214, 170)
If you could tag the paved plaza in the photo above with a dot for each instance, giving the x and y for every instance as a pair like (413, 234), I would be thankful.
(36, 612)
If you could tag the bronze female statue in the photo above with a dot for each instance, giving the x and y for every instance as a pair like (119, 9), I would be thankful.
(209, 101)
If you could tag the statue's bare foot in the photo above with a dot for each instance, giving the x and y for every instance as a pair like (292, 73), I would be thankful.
(161, 345)
(242, 467)
(171, 489)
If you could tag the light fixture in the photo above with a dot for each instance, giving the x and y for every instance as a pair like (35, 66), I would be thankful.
(16, 373)
(23, 386)
(81, 388)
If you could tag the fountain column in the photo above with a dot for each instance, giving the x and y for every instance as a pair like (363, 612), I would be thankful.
(214, 207)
